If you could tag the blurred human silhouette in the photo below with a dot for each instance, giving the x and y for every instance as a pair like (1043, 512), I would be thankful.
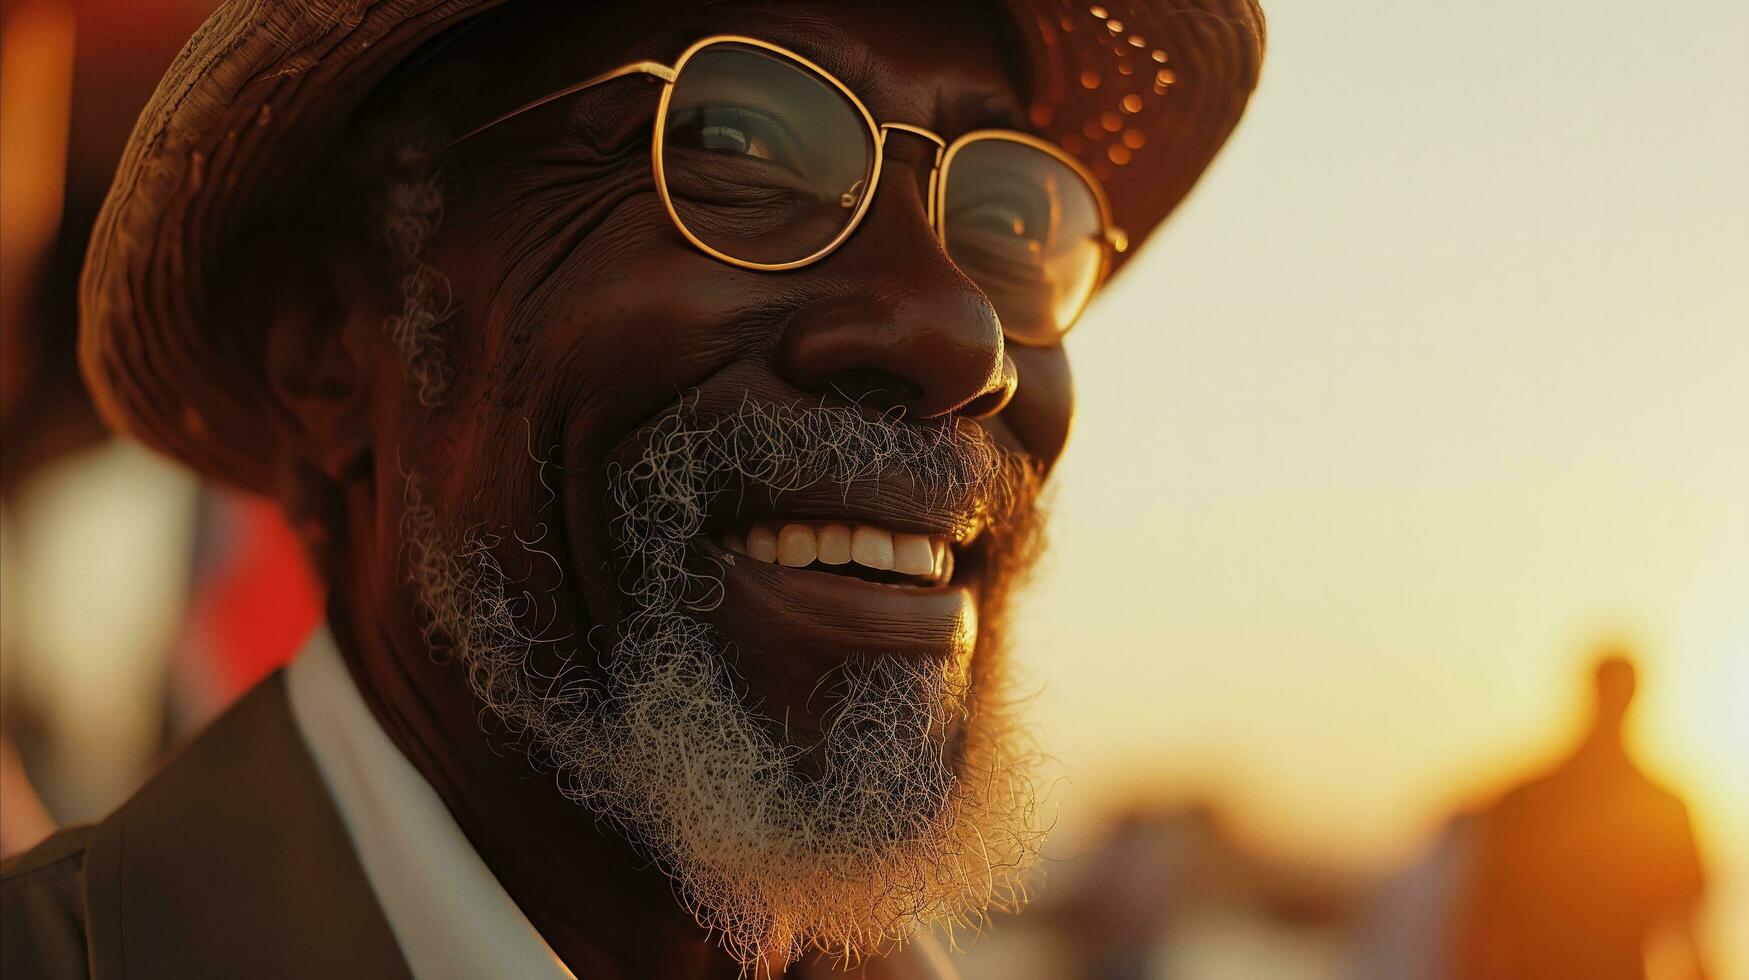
(1174, 889)
(1578, 870)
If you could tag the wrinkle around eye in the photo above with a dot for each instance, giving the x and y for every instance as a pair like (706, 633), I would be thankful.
(736, 179)
(612, 119)
(552, 221)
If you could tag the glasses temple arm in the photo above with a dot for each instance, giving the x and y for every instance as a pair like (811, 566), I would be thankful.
(652, 68)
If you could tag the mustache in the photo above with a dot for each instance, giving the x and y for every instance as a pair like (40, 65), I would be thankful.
(949, 472)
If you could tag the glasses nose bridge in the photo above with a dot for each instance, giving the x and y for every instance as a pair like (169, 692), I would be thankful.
(934, 168)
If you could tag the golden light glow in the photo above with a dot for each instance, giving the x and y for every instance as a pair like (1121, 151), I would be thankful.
(36, 92)
(1435, 381)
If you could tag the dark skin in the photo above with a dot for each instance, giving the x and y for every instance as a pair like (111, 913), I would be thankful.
(582, 313)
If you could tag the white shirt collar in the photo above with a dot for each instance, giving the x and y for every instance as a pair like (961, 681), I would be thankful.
(450, 915)
(452, 918)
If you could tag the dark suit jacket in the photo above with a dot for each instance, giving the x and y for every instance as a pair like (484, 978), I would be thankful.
(231, 864)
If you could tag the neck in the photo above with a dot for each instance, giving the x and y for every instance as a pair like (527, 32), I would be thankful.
(1604, 741)
(606, 911)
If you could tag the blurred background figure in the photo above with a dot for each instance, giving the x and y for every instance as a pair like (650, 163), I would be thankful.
(1134, 886)
(1588, 869)
(1409, 922)
(1169, 889)
(1584, 870)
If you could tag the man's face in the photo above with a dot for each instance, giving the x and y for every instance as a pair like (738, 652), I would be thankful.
(586, 467)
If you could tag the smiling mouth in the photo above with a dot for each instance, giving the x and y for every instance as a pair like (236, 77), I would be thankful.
(852, 550)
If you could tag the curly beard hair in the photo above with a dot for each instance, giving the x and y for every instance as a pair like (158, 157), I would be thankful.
(918, 806)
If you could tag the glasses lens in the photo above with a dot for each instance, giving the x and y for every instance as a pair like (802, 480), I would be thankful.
(763, 160)
(1026, 227)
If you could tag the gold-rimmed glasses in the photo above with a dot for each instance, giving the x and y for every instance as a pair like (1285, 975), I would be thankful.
(766, 161)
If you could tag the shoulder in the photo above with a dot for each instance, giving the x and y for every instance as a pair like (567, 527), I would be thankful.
(42, 908)
(53, 852)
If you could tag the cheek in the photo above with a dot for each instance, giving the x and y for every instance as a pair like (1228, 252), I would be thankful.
(1043, 406)
(611, 340)
(594, 308)
(575, 359)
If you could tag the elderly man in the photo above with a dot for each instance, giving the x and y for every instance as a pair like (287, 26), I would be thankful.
(663, 391)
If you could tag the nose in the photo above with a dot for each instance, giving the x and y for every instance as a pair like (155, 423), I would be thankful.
(896, 324)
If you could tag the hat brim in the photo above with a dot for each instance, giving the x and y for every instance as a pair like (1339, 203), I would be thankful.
(1145, 93)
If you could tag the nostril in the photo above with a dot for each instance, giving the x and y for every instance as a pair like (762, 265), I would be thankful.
(987, 404)
(997, 397)
(875, 388)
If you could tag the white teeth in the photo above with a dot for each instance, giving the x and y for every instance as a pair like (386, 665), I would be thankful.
(912, 554)
(834, 544)
(800, 545)
(871, 547)
(795, 546)
(761, 543)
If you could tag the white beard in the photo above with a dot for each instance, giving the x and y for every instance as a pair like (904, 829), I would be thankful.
(895, 827)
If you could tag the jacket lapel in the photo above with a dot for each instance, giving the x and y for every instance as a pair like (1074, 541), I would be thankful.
(233, 863)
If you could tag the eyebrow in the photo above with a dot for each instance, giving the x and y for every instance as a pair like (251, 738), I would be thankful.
(987, 111)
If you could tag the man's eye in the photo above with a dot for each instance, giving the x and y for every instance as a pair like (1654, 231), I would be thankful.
(735, 131)
(1002, 229)
(1000, 220)
(729, 139)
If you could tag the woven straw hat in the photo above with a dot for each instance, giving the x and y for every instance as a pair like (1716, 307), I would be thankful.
(1143, 91)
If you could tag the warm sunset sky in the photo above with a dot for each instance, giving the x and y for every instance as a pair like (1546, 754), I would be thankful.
(1441, 376)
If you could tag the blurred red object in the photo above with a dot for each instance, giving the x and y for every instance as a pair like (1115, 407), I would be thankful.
(255, 597)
